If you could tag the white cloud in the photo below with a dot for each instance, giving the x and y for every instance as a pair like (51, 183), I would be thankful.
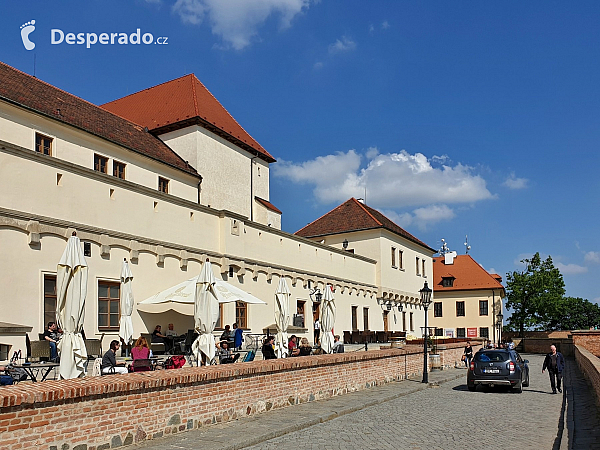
(491, 270)
(592, 257)
(385, 25)
(570, 269)
(393, 180)
(318, 65)
(345, 44)
(371, 28)
(512, 182)
(238, 21)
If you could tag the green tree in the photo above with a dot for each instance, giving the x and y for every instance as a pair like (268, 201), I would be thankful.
(534, 295)
(574, 313)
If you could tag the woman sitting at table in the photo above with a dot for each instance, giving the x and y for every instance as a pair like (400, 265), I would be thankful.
(141, 355)
(305, 347)
(109, 360)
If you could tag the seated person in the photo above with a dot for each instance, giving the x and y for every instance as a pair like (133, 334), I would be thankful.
(109, 360)
(293, 346)
(228, 336)
(52, 336)
(140, 349)
(267, 349)
(170, 331)
(305, 348)
(159, 338)
(338, 346)
(5, 378)
(225, 356)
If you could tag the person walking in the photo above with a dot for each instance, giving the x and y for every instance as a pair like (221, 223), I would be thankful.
(317, 330)
(468, 354)
(237, 337)
(555, 363)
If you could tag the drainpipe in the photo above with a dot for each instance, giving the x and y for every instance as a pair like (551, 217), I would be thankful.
(494, 313)
(252, 189)
(199, 183)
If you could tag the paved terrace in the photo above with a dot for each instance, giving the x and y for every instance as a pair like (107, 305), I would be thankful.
(411, 415)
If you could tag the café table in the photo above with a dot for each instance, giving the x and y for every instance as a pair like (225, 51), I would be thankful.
(34, 370)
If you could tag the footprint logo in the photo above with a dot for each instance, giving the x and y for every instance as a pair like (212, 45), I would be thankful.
(26, 30)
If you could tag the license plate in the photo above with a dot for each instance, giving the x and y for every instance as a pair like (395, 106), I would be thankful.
(491, 370)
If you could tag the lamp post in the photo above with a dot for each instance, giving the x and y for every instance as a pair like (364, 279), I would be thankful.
(499, 316)
(425, 301)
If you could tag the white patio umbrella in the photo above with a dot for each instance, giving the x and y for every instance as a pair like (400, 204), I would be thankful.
(181, 297)
(71, 290)
(327, 320)
(206, 314)
(126, 291)
(282, 317)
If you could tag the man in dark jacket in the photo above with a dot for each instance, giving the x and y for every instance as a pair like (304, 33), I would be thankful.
(555, 363)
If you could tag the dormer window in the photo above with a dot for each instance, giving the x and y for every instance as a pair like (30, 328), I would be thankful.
(448, 281)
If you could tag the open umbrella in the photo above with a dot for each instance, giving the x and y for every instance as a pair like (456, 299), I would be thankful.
(71, 290)
(282, 317)
(206, 314)
(125, 324)
(327, 320)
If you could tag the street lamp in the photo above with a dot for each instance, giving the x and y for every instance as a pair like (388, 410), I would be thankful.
(425, 301)
(499, 318)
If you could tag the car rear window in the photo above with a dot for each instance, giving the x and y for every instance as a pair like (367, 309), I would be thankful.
(491, 356)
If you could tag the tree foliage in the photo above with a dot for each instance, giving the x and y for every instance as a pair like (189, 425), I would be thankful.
(534, 295)
(574, 313)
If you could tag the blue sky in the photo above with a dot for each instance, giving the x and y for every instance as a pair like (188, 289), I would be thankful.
(458, 118)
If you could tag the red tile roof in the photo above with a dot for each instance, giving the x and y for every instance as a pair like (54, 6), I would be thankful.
(28, 92)
(467, 274)
(180, 103)
(353, 215)
(267, 204)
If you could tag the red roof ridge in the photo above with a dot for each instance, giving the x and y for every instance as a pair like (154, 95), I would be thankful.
(328, 212)
(367, 211)
(192, 77)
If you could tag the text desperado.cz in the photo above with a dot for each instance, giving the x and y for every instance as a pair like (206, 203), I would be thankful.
(89, 39)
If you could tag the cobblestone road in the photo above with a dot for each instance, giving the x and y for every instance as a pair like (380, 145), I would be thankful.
(447, 417)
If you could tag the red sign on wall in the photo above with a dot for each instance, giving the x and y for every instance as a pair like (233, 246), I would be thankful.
(471, 332)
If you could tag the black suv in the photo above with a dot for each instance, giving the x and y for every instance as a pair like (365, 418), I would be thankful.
(498, 367)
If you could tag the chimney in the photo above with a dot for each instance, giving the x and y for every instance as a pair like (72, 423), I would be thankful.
(449, 258)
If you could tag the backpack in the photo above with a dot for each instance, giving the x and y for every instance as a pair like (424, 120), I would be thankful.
(175, 362)
(249, 356)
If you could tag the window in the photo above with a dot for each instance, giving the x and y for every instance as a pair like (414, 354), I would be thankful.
(439, 331)
(423, 263)
(119, 170)
(87, 249)
(400, 262)
(219, 323)
(447, 281)
(394, 257)
(483, 307)
(412, 324)
(163, 185)
(366, 318)
(108, 304)
(418, 274)
(460, 309)
(404, 321)
(100, 164)
(241, 314)
(437, 309)
(49, 299)
(355, 318)
(43, 144)
(460, 333)
(484, 332)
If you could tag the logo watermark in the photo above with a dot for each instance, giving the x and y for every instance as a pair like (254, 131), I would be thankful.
(26, 29)
(58, 36)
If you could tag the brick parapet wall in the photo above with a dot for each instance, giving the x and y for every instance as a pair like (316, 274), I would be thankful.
(590, 339)
(104, 412)
(590, 366)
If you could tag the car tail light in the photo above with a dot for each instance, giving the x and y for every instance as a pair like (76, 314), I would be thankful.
(472, 365)
(511, 366)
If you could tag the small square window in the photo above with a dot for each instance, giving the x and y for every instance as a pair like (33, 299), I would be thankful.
(100, 164)
(163, 185)
(119, 170)
(43, 144)
(484, 332)
(460, 333)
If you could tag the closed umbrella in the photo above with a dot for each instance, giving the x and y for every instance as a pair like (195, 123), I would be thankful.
(282, 317)
(125, 324)
(327, 320)
(206, 314)
(71, 290)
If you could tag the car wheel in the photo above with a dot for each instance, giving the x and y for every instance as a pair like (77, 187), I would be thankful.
(518, 388)
(526, 383)
(472, 387)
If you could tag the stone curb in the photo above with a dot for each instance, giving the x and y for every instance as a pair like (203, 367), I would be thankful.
(306, 422)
